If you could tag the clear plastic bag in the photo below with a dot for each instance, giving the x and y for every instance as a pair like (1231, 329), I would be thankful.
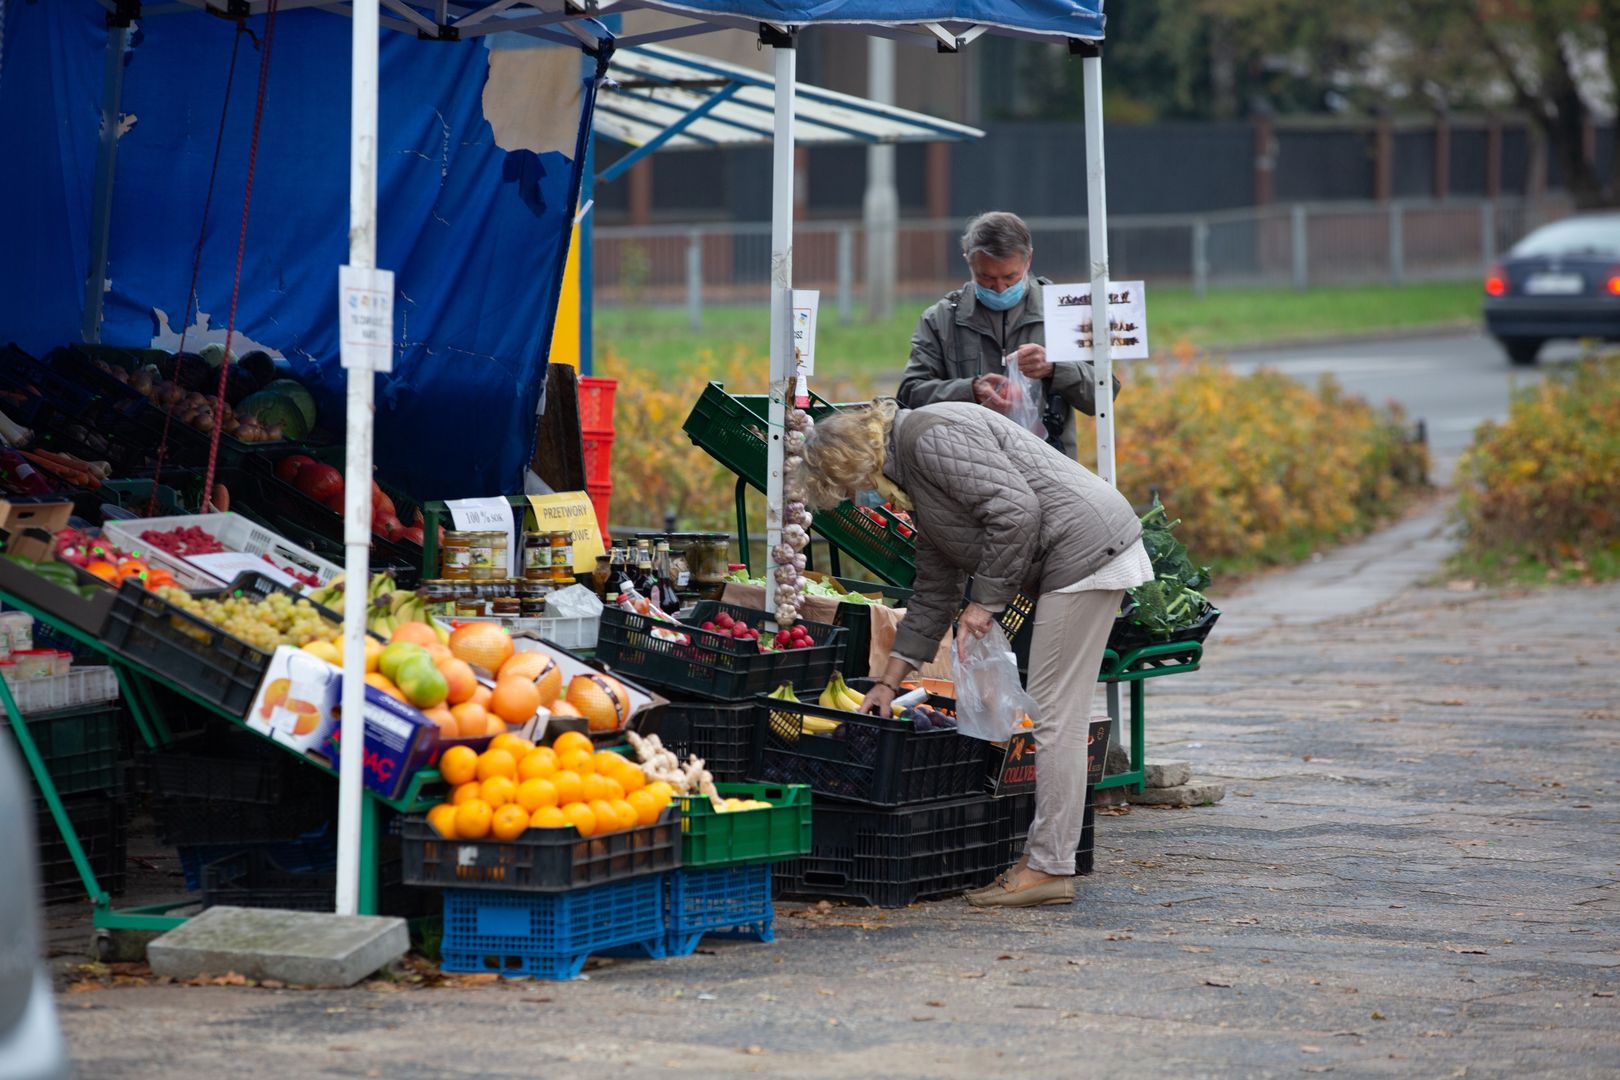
(990, 700)
(1024, 396)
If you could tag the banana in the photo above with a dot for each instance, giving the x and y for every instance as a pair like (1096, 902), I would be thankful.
(439, 629)
(816, 725)
(398, 599)
(829, 697)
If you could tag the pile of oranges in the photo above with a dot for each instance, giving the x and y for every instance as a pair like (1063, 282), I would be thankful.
(514, 786)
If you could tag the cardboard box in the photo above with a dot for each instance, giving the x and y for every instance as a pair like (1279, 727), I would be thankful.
(33, 525)
(299, 705)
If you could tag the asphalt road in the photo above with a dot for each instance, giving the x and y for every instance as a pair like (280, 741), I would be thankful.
(1453, 383)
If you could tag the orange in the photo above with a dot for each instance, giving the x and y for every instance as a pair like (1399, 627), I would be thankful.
(548, 817)
(608, 763)
(646, 807)
(473, 819)
(104, 570)
(563, 708)
(579, 761)
(540, 669)
(516, 745)
(515, 700)
(443, 820)
(572, 740)
(510, 822)
(482, 695)
(494, 725)
(470, 719)
(537, 764)
(662, 792)
(627, 814)
(418, 633)
(459, 678)
(497, 763)
(533, 794)
(580, 817)
(472, 789)
(446, 721)
(459, 764)
(385, 684)
(498, 791)
(439, 653)
(569, 786)
(595, 787)
(482, 644)
(607, 818)
(631, 777)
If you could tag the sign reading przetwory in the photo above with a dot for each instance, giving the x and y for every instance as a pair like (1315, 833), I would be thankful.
(1070, 332)
(366, 318)
(572, 512)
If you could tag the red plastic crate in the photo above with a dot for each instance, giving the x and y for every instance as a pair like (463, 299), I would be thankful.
(601, 495)
(596, 405)
(599, 460)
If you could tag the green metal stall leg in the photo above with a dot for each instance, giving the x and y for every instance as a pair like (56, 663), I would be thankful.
(370, 824)
(742, 524)
(137, 708)
(154, 715)
(47, 788)
(1138, 730)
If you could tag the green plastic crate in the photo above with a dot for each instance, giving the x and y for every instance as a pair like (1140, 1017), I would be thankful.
(740, 838)
(731, 429)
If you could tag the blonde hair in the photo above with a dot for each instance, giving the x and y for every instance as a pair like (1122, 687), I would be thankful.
(845, 452)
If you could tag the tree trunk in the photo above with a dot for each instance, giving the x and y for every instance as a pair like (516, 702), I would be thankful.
(1609, 23)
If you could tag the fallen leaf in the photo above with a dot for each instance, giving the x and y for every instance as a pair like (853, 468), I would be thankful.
(1216, 982)
(230, 978)
(823, 991)
(1316, 1068)
(1310, 1049)
(922, 1019)
(84, 986)
(934, 1004)
(1437, 1034)
(1466, 949)
(971, 975)
(754, 1050)
(1603, 993)
(139, 971)
(1378, 1016)
(1196, 948)
(1006, 956)
(1453, 701)
(1078, 963)
(1384, 719)
(275, 984)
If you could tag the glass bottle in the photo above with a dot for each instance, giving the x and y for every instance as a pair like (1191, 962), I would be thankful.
(618, 576)
(664, 572)
(646, 579)
(600, 576)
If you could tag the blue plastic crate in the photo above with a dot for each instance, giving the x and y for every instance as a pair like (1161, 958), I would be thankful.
(314, 852)
(550, 935)
(731, 902)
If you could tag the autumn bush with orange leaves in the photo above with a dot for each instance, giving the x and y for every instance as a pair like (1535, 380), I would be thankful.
(1261, 469)
(1542, 489)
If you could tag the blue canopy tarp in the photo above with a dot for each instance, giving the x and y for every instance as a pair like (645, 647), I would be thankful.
(1057, 18)
(477, 234)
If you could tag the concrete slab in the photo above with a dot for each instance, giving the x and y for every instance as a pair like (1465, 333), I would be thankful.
(1199, 793)
(301, 948)
(1166, 774)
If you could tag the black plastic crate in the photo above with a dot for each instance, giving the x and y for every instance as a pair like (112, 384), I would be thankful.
(714, 665)
(721, 733)
(103, 830)
(1127, 635)
(253, 878)
(891, 858)
(1020, 811)
(877, 760)
(541, 860)
(191, 651)
(242, 773)
(79, 746)
(306, 799)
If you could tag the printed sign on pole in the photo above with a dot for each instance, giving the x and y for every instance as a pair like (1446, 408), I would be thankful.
(572, 512)
(805, 303)
(1069, 330)
(366, 318)
(493, 514)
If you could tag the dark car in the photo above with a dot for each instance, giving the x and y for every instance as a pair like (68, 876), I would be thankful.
(30, 1040)
(1561, 281)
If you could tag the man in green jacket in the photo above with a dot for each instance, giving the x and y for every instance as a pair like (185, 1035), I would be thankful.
(959, 343)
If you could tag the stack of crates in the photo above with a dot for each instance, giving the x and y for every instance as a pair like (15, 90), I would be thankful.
(596, 431)
(75, 720)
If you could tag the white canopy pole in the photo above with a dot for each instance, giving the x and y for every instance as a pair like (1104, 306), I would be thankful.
(881, 206)
(1097, 233)
(781, 296)
(357, 478)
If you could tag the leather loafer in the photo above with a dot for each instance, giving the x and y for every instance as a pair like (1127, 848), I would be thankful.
(995, 886)
(1053, 891)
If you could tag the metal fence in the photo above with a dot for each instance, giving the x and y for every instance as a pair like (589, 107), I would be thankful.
(1296, 246)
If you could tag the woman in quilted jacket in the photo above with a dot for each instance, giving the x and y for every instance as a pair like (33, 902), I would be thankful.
(998, 513)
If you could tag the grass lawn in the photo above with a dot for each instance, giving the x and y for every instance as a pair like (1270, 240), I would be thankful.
(659, 339)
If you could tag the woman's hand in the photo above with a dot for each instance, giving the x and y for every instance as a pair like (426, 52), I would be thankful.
(1032, 361)
(879, 701)
(991, 392)
(974, 621)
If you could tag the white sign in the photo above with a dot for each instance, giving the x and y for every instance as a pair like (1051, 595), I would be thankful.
(489, 515)
(1069, 329)
(366, 318)
(805, 303)
(225, 565)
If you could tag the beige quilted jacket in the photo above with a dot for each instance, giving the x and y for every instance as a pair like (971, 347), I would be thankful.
(993, 501)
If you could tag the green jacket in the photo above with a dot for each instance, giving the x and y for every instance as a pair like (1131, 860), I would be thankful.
(959, 339)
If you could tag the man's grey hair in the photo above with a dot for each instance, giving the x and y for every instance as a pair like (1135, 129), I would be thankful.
(997, 234)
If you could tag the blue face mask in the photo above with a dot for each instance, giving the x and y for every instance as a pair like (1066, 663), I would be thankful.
(1000, 301)
(870, 499)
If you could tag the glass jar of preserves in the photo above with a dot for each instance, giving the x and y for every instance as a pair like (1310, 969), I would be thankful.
(455, 556)
(532, 599)
(470, 605)
(506, 607)
(439, 596)
(489, 556)
(561, 545)
(537, 556)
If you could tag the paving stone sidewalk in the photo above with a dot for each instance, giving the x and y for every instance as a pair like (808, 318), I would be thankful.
(1415, 873)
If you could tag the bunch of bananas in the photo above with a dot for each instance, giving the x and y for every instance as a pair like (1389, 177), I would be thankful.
(790, 724)
(839, 696)
(386, 606)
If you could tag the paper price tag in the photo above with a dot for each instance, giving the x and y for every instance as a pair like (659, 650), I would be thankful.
(805, 304)
(493, 514)
(366, 318)
(1070, 329)
(571, 511)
